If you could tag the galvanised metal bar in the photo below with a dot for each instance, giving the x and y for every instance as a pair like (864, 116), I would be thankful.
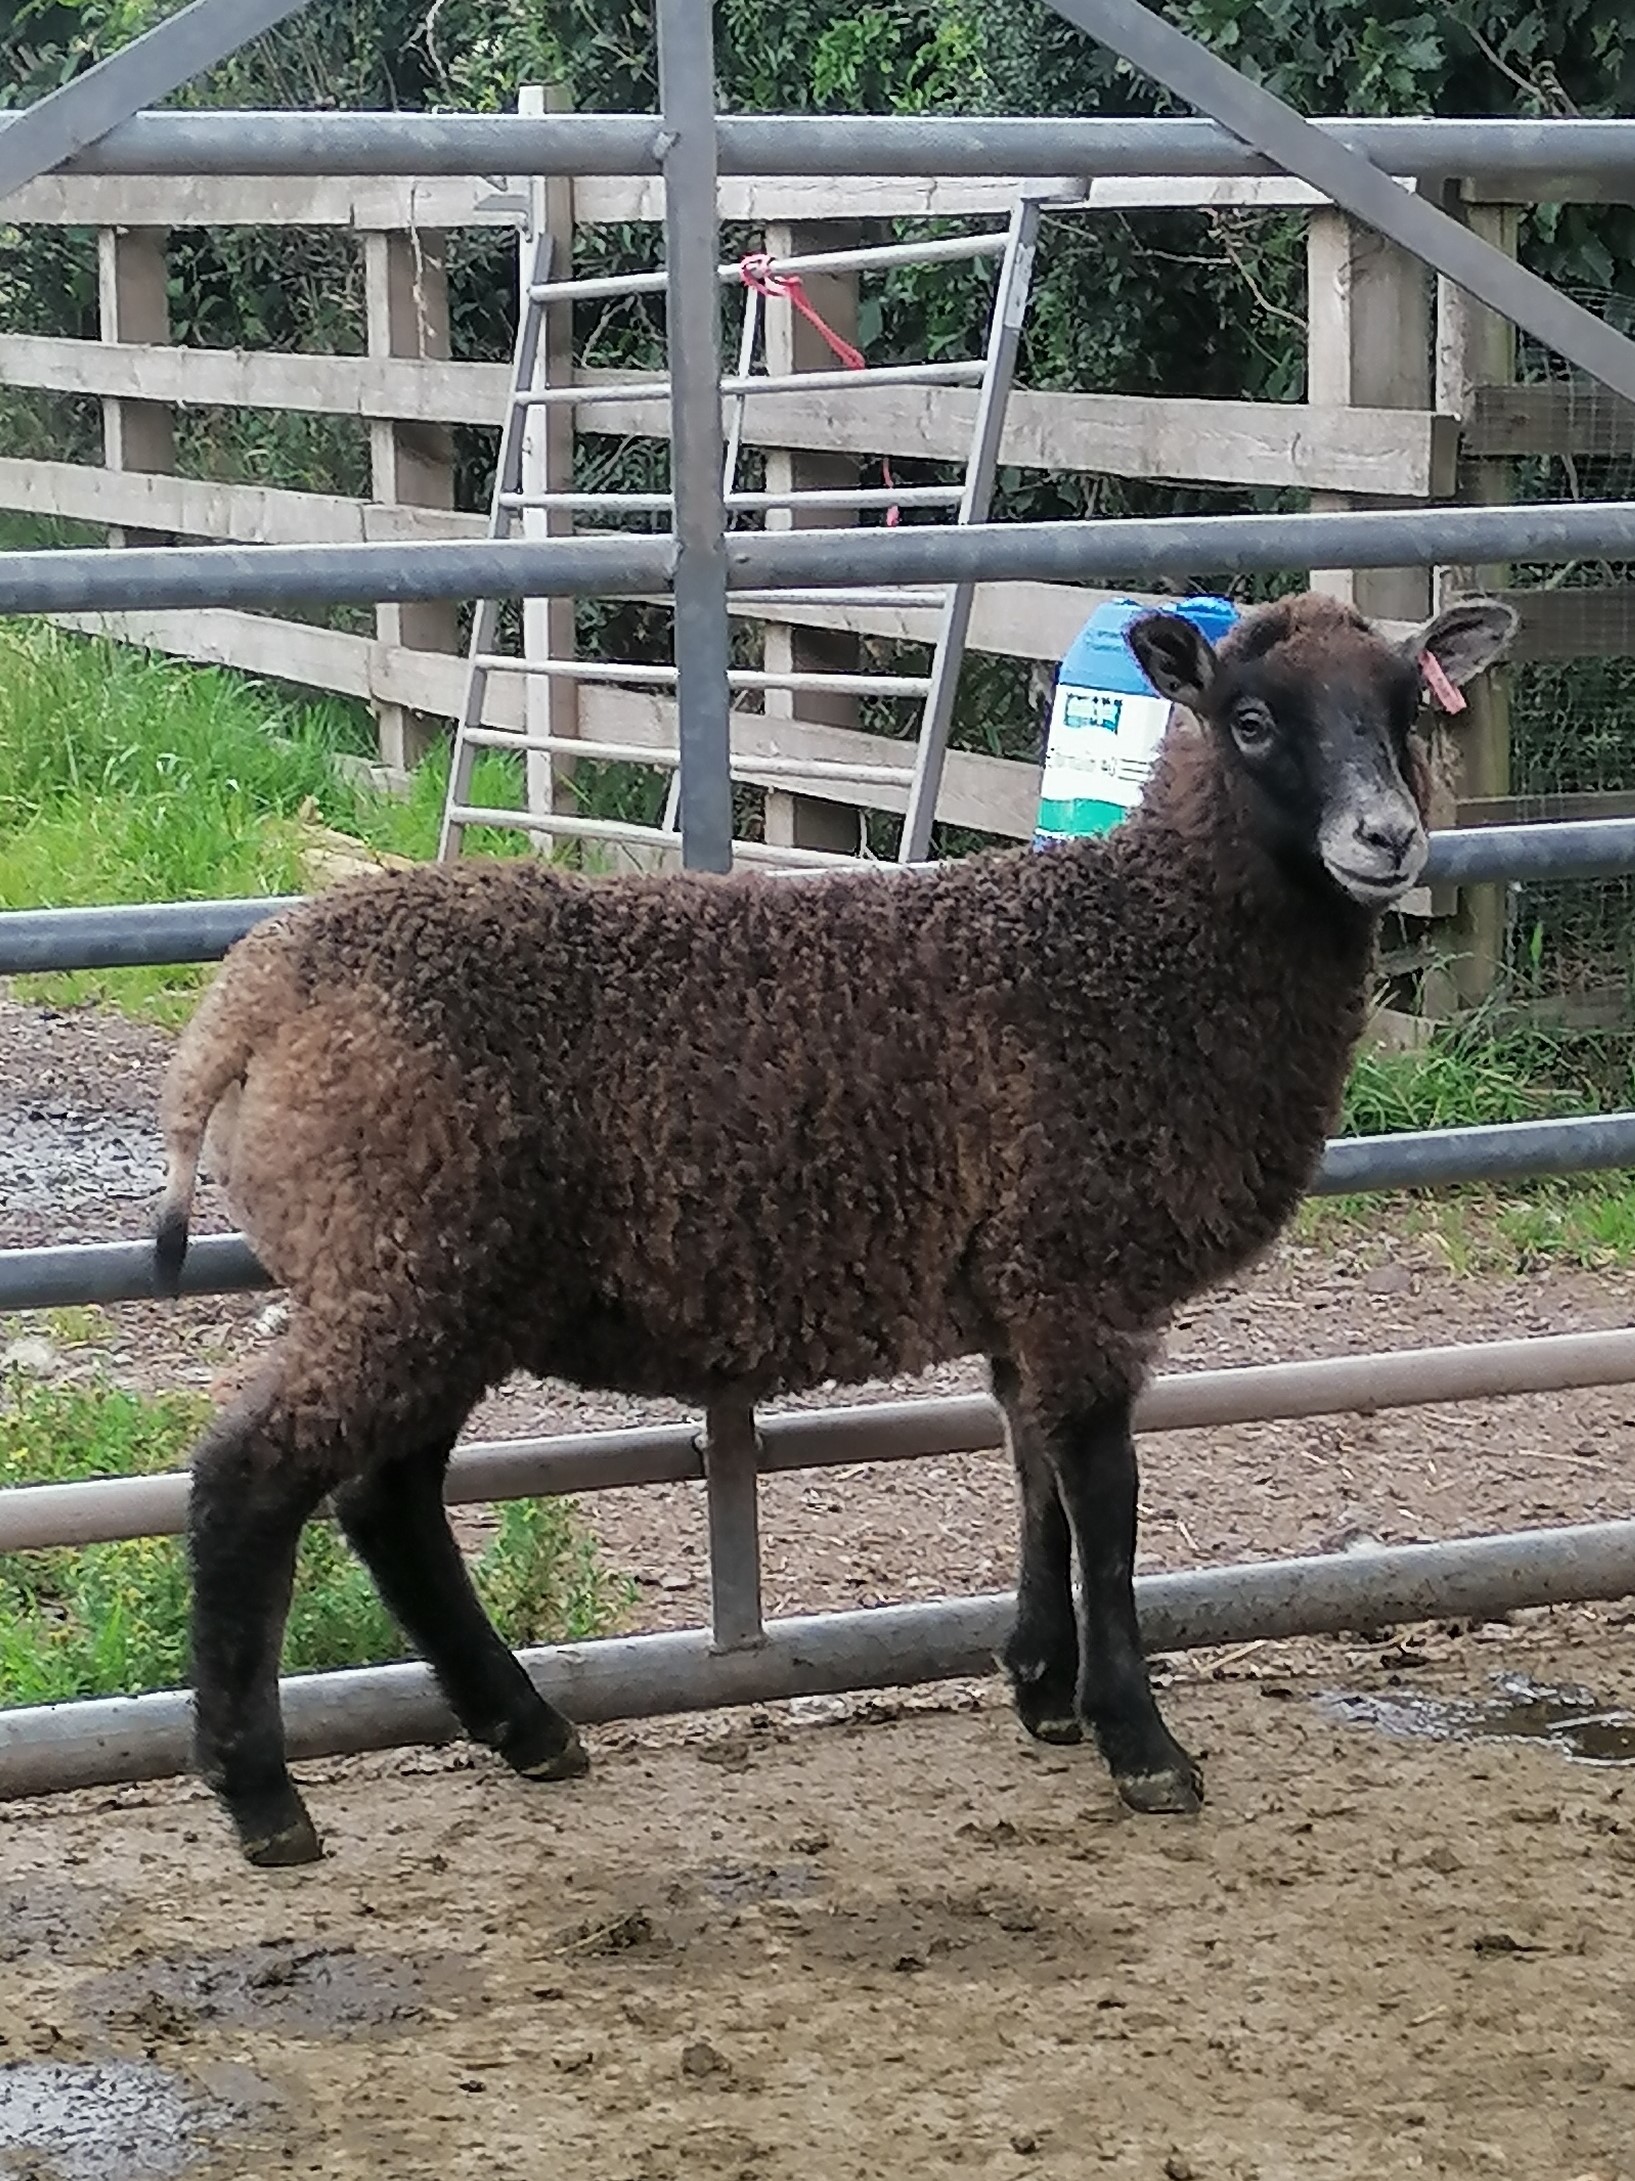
(66, 1274)
(1187, 67)
(1504, 1151)
(75, 580)
(703, 630)
(136, 935)
(139, 74)
(732, 1491)
(130, 936)
(1133, 549)
(101, 1510)
(90, 580)
(1510, 1150)
(73, 1273)
(810, 144)
(49, 1748)
(1586, 848)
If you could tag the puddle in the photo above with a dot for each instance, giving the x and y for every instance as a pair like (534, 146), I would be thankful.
(107, 2120)
(58, 1155)
(281, 1984)
(741, 1882)
(1575, 1721)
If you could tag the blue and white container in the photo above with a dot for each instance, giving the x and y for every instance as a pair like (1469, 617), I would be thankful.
(1107, 720)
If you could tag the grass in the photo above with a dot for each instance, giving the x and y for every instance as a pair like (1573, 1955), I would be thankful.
(1585, 1221)
(127, 777)
(111, 1618)
(1472, 1075)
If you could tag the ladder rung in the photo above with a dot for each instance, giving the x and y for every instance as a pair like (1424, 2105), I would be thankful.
(613, 829)
(740, 677)
(745, 764)
(797, 382)
(880, 595)
(949, 249)
(660, 503)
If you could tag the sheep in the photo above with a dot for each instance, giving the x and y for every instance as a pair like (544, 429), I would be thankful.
(718, 1139)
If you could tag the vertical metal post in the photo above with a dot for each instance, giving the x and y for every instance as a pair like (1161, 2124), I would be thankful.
(692, 293)
(1004, 339)
(731, 1479)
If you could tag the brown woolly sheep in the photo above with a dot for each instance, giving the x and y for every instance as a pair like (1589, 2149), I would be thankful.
(725, 1138)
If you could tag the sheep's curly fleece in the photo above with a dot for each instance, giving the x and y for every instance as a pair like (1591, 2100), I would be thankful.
(700, 1137)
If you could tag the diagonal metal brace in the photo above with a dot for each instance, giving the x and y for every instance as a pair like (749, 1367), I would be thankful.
(1357, 186)
(140, 74)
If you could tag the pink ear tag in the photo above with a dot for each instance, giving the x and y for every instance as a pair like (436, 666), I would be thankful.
(1436, 681)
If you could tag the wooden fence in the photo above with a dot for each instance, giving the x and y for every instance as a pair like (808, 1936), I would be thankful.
(1411, 397)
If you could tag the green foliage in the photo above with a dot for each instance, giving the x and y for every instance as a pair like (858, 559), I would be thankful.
(1477, 1073)
(125, 777)
(1205, 303)
(1466, 1077)
(113, 1618)
(1589, 1222)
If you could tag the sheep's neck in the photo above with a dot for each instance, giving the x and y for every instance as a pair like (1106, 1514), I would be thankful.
(1244, 988)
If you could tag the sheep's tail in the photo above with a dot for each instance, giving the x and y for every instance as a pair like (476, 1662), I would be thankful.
(250, 998)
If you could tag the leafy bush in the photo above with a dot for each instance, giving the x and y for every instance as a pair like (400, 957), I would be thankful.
(113, 1618)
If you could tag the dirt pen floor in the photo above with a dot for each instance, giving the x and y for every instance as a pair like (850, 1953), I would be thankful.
(850, 1941)
(888, 1945)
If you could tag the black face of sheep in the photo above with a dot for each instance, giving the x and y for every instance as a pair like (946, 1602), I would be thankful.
(1315, 714)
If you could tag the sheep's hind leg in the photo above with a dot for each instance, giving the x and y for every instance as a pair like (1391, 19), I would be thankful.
(250, 1500)
(1095, 1460)
(1041, 1656)
(395, 1520)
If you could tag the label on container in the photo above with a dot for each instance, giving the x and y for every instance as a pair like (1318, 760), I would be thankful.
(1100, 750)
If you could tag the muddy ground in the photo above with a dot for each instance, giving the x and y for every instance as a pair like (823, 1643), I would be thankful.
(868, 1940)
(889, 1946)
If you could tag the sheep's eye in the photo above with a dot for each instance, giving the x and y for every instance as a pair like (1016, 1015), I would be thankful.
(1252, 728)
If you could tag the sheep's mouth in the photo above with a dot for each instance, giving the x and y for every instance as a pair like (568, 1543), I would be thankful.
(1376, 889)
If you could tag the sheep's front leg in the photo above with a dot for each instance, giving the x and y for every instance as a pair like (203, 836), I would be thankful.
(1042, 1655)
(1093, 1452)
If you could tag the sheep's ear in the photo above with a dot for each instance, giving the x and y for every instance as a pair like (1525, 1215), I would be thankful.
(1467, 638)
(1175, 655)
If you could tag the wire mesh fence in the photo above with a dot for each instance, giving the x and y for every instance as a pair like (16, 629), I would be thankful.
(1573, 720)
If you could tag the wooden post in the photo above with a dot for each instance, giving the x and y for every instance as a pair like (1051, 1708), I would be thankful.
(411, 463)
(134, 305)
(1476, 347)
(1368, 313)
(1369, 330)
(550, 702)
(810, 821)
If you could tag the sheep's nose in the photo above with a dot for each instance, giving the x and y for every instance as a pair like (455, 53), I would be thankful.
(1390, 833)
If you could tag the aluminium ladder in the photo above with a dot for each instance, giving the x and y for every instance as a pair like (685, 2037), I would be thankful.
(512, 503)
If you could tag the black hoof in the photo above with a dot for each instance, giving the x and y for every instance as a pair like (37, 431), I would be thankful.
(542, 1754)
(292, 1844)
(1062, 1730)
(274, 1830)
(1045, 1699)
(1174, 1790)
